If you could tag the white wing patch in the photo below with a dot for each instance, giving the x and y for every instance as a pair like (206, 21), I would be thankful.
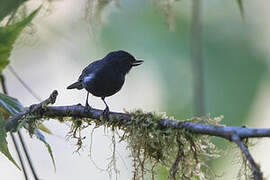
(87, 79)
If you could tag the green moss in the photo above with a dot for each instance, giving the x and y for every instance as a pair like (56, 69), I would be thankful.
(77, 126)
(183, 154)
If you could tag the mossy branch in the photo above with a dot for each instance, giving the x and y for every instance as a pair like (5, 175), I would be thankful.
(257, 174)
(121, 120)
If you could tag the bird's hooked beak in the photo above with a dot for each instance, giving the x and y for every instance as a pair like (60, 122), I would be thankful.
(137, 63)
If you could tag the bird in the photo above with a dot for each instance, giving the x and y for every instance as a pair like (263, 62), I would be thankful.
(105, 77)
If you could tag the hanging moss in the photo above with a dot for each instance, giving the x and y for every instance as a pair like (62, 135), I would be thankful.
(183, 154)
(245, 170)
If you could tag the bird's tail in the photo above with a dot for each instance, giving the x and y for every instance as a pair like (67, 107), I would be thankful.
(76, 85)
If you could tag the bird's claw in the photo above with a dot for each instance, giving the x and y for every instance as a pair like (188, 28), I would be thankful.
(106, 113)
(87, 107)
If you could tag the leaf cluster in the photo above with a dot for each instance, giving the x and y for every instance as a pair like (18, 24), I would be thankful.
(9, 106)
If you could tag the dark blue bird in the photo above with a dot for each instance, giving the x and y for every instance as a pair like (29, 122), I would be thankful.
(106, 76)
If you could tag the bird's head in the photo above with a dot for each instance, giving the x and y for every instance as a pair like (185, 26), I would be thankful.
(123, 61)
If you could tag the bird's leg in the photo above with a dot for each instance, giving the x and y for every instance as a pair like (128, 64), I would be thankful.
(86, 103)
(106, 110)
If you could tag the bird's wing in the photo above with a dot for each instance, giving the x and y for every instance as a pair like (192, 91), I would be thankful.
(90, 69)
(86, 72)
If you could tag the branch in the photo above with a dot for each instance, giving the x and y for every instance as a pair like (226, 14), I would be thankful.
(254, 167)
(80, 111)
(13, 122)
(231, 133)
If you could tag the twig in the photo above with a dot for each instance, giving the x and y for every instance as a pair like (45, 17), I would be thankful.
(254, 167)
(19, 156)
(23, 83)
(175, 166)
(28, 156)
(13, 122)
(3, 83)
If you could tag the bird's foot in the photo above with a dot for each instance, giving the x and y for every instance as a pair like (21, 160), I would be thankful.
(87, 107)
(106, 113)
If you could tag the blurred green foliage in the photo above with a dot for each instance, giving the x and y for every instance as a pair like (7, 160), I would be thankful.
(9, 6)
(8, 36)
(232, 66)
(233, 71)
(9, 105)
(3, 141)
(241, 8)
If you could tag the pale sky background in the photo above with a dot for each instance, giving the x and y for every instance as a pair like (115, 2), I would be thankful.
(47, 64)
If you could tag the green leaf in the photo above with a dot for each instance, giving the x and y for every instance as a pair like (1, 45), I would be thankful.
(8, 36)
(10, 104)
(43, 128)
(41, 137)
(241, 8)
(3, 142)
